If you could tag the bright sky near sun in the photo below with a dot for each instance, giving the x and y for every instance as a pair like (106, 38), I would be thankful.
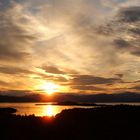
(76, 46)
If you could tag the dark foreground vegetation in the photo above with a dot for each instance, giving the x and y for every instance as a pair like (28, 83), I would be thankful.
(102, 123)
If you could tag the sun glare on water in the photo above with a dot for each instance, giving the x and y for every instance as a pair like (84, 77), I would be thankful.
(50, 111)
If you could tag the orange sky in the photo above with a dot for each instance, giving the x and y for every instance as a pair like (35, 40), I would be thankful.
(78, 46)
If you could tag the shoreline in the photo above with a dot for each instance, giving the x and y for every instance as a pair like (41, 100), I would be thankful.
(119, 122)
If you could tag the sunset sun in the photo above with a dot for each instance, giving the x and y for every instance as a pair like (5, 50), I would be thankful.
(50, 88)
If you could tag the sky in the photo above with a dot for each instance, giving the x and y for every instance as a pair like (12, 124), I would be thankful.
(69, 46)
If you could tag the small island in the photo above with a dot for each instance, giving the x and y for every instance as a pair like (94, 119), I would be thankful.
(7, 111)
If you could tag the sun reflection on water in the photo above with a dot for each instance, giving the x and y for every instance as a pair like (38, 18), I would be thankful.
(50, 111)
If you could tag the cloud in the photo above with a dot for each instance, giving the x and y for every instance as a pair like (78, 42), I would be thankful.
(124, 29)
(128, 20)
(92, 80)
(52, 69)
(135, 88)
(135, 31)
(130, 14)
(57, 78)
(120, 43)
(120, 35)
(120, 75)
(13, 70)
(3, 83)
(86, 88)
(16, 92)
(14, 37)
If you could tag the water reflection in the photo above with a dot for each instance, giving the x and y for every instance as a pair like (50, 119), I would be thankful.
(38, 110)
(43, 110)
(50, 111)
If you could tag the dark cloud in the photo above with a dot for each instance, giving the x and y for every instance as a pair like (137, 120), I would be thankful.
(52, 69)
(120, 43)
(136, 53)
(6, 54)
(120, 22)
(135, 88)
(83, 87)
(56, 70)
(104, 29)
(16, 92)
(4, 4)
(135, 31)
(13, 70)
(130, 14)
(53, 78)
(124, 30)
(92, 80)
(3, 83)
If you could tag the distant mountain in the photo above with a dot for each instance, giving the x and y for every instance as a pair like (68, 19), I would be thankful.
(120, 97)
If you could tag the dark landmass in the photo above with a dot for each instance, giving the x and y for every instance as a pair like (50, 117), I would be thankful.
(119, 122)
(7, 111)
(121, 97)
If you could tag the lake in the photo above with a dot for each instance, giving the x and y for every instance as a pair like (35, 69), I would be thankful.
(46, 110)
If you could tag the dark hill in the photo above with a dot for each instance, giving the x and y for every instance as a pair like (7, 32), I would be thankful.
(121, 97)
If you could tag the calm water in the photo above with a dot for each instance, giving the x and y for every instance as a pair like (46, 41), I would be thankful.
(38, 110)
(46, 110)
